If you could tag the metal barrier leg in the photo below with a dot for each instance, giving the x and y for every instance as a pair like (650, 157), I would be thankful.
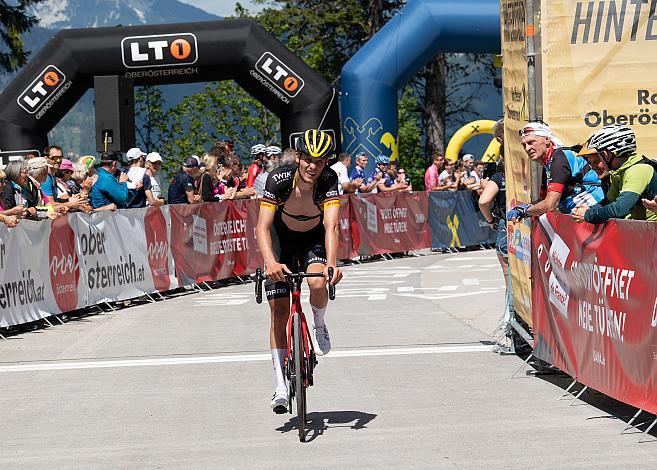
(110, 306)
(578, 395)
(47, 321)
(567, 390)
(3, 338)
(647, 431)
(59, 320)
(150, 298)
(524, 364)
(629, 423)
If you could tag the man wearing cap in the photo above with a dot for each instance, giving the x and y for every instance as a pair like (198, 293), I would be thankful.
(141, 194)
(358, 174)
(570, 180)
(108, 193)
(469, 178)
(153, 166)
(181, 189)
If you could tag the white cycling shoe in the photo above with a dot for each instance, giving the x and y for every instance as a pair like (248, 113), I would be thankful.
(323, 339)
(280, 402)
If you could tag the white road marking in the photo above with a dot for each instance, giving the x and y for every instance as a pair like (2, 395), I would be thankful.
(470, 281)
(172, 361)
(485, 290)
(413, 289)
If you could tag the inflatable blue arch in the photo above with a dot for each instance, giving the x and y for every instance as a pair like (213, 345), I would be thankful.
(371, 80)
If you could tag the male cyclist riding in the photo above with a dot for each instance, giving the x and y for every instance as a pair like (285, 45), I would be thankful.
(298, 223)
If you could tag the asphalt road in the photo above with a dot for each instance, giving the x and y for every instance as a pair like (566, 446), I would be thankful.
(411, 383)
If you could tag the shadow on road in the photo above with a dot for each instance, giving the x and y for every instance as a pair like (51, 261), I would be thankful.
(320, 421)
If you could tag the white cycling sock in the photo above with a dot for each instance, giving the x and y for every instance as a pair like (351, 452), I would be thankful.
(318, 314)
(278, 358)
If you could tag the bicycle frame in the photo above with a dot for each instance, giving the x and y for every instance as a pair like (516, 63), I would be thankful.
(295, 309)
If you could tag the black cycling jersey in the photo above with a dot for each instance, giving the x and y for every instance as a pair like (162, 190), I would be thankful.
(282, 181)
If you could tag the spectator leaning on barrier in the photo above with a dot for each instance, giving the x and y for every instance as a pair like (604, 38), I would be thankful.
(153, 167)
(8, 216)
(570, 180)
(208, 188)
(469, 177)
(108, 193)
(181, 189)
(358, 175)
(431, 176)
(449, 179)
(632, 177)
(259, 155)
(143, 193)
(341, 168)
(402, 181)
(54, 157)
(12, 192)
(44, 204)
(492, 203)
(244, 191)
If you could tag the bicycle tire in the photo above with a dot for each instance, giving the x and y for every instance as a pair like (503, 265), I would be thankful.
(300, 391)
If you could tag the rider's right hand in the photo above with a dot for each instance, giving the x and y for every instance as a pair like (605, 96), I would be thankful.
(276, 271)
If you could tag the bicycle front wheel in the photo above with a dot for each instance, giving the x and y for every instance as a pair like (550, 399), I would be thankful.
(300, 389)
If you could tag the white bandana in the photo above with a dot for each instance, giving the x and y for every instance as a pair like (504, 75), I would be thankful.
(542, 130)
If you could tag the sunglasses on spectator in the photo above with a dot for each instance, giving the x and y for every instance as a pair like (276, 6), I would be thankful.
(55, 158)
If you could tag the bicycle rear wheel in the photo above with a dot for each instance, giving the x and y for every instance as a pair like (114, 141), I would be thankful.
(300, 389)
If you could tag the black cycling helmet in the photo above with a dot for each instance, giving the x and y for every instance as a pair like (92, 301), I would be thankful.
(315, 143)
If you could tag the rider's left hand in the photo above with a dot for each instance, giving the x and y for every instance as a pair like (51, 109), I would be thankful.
(337, 274)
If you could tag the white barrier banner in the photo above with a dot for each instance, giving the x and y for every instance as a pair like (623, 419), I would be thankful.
(25, 284)
(115, 256)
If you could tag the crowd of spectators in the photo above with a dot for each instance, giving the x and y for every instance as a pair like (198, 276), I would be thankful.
(49, 185)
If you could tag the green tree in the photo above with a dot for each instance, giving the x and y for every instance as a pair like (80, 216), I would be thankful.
(223, 110)
(15, 21)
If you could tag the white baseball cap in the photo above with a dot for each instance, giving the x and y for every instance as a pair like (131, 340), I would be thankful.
(134, 153)
(468, 158)
(153, 157)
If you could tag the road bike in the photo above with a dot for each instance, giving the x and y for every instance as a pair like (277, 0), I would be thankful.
(300, 360)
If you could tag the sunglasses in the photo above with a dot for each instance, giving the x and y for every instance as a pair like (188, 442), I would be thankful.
(55, 158)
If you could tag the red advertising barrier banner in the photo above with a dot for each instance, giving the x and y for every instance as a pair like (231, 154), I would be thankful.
(346, 248)
(391, 222)
(214, 241)
(595, 304)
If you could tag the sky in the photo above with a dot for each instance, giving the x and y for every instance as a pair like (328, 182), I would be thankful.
(221, 7)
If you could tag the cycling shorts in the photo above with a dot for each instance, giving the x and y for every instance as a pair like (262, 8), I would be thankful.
(296, 250)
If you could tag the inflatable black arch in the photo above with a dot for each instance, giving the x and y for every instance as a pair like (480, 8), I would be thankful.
(57, 77)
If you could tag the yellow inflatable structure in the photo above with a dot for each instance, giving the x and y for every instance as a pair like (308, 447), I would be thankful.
(465, 133)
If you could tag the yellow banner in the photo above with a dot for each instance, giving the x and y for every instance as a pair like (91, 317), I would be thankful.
(599, 68)
(517, 168)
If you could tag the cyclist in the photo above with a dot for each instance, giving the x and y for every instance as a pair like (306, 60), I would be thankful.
(274, 152)
(570, 180)
(632, 177)
(259, 155)
(298, 222)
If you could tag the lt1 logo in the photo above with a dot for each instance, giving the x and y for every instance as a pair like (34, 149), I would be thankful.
(159, 50)
(41, 89)
(279, 74)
